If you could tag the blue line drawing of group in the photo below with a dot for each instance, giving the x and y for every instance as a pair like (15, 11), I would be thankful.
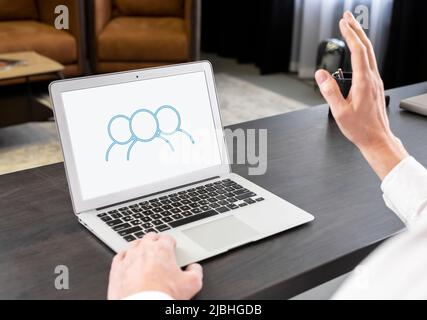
(144, 126)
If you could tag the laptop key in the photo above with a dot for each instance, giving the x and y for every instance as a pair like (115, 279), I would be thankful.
(243, 204)
(146, 219)
(121, 227)
(204, 208)
(116, 215)
(157, 222)
(101, 215)
(232, 206)
(136, 222)
(162, 227)
(187, 213)
(155, 216)
(249, 200)
(259, 199)
(167, 219)
(106, 219)
(157, 210)
(214, 205)
(112, 211)
(194, 218)
(147, 225)
(166, 213)
(222, 209)
(129, 231)
(129, 238)
(150, 230)
(137, 215)
(245, 195)
(127, 219)
(114, 222)
(139, 234)
(175, 210)
(177, 216)
(147, 212)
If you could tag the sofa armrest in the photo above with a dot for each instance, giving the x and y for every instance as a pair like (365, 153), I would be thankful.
(47, 15)
(193, 26)
(102, 14)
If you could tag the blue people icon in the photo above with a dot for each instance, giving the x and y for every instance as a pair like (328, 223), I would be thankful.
(119, 133)
(173, 125)
(144, 126)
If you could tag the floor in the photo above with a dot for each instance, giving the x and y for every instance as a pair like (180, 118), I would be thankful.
(287, 85)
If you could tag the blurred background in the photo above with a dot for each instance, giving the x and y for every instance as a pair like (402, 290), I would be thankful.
(264, 53)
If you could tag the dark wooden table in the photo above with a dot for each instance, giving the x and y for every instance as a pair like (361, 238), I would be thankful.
(309, 163)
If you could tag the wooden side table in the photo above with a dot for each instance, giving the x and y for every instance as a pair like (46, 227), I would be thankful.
(31, 64)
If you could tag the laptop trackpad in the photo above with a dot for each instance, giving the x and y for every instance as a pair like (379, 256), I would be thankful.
(221, 233)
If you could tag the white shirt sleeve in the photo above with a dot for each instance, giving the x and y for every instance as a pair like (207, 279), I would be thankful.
(149, 295)
(405, 190)
(397, 269)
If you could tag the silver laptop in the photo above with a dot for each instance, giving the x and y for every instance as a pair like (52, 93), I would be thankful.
(145, 152)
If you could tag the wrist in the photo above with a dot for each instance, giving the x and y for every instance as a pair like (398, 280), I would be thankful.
(383, 154)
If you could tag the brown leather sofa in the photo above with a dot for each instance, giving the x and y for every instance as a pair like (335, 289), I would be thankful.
(133, 34)
(28, 25)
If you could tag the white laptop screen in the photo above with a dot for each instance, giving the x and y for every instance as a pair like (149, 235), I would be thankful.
(132, 134)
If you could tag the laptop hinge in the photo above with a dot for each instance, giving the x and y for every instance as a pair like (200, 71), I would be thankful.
(153, 194)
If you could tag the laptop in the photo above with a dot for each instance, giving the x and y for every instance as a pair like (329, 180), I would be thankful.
(145, 151)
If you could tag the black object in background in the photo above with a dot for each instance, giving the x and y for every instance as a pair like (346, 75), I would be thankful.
(345, 83)
(406, 57)
(331, 55)
(252, 31)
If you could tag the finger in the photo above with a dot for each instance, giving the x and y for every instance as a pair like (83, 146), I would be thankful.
(330, 91)
(170, 241)
(359, 58)
(355, 25)
(134, 243)
(194, 274)
(120, 256)
(151, 236)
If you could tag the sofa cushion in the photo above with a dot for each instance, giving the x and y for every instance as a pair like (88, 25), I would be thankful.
(143, 39)
(170, 8)
(18, 10)
(42, 38)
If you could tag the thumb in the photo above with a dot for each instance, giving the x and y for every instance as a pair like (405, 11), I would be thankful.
(194, 273)
(330, 90)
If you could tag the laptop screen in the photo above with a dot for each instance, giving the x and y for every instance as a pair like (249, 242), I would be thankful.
(132, 134)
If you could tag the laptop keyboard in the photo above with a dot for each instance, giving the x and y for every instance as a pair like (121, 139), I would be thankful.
(177, 209)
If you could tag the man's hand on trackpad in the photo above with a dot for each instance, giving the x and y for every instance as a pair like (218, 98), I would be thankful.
(150, 265)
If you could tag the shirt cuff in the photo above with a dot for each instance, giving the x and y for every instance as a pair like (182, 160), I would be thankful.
(149, 295)
(405, 189)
